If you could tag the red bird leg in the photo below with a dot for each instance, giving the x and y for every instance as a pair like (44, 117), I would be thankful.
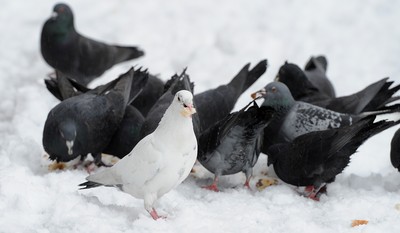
(247, 184)
(311, 192)
(213, 186)
(154, 215)
(249, 173)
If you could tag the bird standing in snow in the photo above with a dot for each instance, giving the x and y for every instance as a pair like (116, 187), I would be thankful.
(86, 123)
(79, 57)
(127, 134)
(316, 158)
(160, 161)
(233, 144)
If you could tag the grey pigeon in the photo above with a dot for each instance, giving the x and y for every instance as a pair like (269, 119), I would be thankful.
(395, 150)
(77, 56)
(160, 161)
(316, 158)
(85, 123)
(233, 144)
(295, 118)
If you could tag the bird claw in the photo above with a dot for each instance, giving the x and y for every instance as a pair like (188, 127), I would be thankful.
(212, 187)
(155, 216)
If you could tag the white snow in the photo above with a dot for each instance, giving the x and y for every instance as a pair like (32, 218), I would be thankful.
(214, 39)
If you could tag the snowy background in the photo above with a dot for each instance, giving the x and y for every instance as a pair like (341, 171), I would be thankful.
(215, 39)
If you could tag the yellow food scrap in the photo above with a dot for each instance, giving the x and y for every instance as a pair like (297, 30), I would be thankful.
(265, 182)
(358, 222)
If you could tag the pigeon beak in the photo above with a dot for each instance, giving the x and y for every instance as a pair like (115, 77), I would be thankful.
(259, 94)
(188, 111)
(54, 15)
(70, 144)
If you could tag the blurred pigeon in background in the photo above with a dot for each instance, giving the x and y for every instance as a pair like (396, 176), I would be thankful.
(160, 161)
(84, 59)
(233, 144)
(85, 123)
(315, 70)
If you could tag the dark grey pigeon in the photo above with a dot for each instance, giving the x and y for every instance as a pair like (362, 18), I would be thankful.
(374, 97)
(395, 150)
(84, 59)
(233, 144)
(172, 86)
(316, 158)
(85, 123)
(127, 134)
(215, 104)
(295, 118)
(315, 70)
(152, 91)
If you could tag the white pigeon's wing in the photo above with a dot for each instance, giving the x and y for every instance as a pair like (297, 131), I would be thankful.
(138, 167)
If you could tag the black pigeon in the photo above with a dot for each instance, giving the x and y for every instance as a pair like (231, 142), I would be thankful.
(172, 86)
(152, 91)
(395, 150)
(374, 97)
(316, 158)
(315, 70)
(127, 134)
(84, 59)
(299, 84)
(233, 144)
(294, 118)
(85, 123)
(215, 104)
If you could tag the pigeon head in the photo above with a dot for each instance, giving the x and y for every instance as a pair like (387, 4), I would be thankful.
(67, 130)
(294, 78)
(61, 20)
(60, 140)
(288, 72)
(184, 101)
(276, 95)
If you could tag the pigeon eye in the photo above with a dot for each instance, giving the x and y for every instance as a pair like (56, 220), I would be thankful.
(273, 89)
(179, 99)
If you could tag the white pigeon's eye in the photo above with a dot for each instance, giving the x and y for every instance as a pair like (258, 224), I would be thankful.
(179, 99)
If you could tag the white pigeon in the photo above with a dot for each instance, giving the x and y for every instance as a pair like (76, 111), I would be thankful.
(160, 161)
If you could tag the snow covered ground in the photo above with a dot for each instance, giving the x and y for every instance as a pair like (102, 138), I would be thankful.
(360, 38)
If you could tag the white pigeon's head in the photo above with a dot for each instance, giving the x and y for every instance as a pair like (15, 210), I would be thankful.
(184, 100)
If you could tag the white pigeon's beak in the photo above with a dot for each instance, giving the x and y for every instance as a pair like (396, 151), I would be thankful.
(259, 94)
(188, 111)
(54, 15)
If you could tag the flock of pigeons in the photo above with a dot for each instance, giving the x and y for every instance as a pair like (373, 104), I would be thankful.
(159, 130)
